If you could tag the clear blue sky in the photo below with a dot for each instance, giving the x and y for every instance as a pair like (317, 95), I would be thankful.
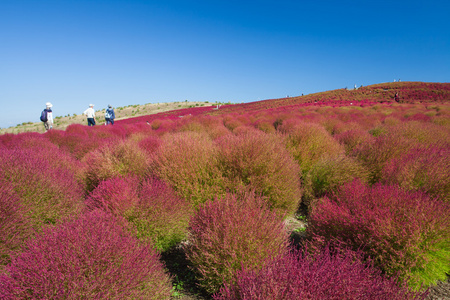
(119, 52)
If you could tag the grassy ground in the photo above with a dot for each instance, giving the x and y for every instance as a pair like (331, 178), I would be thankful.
(61, 122)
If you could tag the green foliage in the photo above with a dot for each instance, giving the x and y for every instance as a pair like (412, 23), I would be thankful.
(259, 162)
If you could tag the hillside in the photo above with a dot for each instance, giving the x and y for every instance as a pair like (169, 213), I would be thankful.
(409, 92)
(125, 112)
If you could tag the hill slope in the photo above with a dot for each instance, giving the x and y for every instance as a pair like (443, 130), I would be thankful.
(409, 92)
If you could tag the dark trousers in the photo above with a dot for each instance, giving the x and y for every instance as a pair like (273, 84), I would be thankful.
(91, 121)
(109, 121)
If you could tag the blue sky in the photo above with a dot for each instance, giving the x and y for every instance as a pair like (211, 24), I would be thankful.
(118, 52)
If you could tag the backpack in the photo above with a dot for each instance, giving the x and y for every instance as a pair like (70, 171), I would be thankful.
(107, 115)
(44, 116)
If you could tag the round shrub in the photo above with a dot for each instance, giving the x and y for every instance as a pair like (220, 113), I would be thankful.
(257, 161)
(423, 169)
(332, 171)
(90, 258)
(152, 209)
(308, 142)
(323, 276)
(188, 161)
(48, 191)
(124, 158)
(406, 234)
(233, 232)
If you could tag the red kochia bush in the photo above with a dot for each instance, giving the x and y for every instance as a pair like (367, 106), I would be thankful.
(48, 190)
(325, 276)
(407, 234)
(90, 258)
(230, 233)
(424, 169)
(152, 208)
(123, 158)
(13, 227)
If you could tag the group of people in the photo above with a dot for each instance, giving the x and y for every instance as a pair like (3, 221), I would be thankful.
(47, 116)
(90, 114)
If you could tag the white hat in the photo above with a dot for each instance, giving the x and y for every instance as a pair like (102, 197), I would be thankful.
(91, 105)
(48, 104)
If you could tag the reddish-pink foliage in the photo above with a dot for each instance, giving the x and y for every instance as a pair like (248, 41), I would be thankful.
(326, 275)
(45, 184)
(230, 233)
(90, 258)
(424, 169)
(13, 226)
(152, 208)
(398, 229)
(124, 158)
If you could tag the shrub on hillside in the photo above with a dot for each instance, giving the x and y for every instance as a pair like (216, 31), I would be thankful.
(308, 142)
(49, 192)
(406, 234)
(124, 158)
(257, 161)
(332, 171)
(77, 139)
(353, 139)
(89, 258)
(13, 226)
(152, 209)
(423, 169)
(230, 233)
(326, 275)
(188, 161)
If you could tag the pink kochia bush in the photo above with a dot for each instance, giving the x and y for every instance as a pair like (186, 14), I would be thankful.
(48, 190)
(123, 158)
(260, 162)
(89, 258)
(13, 226)
(324, 276)
(406, 234)
(425, 169)
(233, 232)
(152, 209)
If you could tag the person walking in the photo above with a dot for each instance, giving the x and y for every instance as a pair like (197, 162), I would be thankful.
(90, 114)
(47, 116)
(396, 97)
(109, 115)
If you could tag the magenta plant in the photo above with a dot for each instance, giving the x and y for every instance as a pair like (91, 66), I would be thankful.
(89, 258)
(233, 232)
(124, 158)
(258, 161)
(47, 190)
(407, 234)
(152, 209)
(424, 169)
(13, 226)
(326, 275)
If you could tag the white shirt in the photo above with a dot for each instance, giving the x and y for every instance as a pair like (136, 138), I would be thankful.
(50, 117)
(90, 112)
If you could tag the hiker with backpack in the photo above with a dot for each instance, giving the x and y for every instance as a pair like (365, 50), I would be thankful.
(109, 115)
(90, 114)
(47, 116)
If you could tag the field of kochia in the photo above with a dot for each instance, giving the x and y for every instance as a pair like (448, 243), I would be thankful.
(86, 213)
